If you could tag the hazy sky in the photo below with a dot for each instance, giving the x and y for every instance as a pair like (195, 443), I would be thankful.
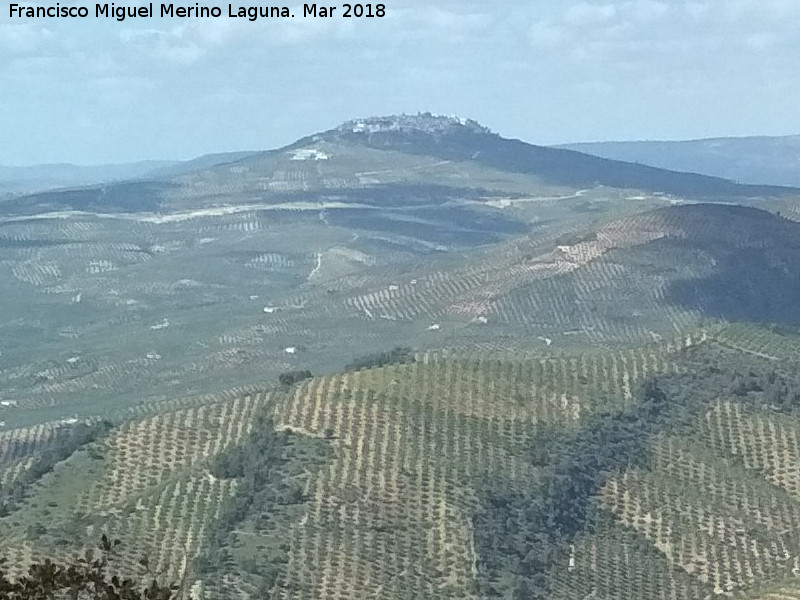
(98, 91)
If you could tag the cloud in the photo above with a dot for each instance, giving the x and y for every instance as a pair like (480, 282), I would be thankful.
(442, 21)
(761, 41)
(669, 35)
(548, 34)
(585, 14)
(171, 46)
(23, 38)
(548, 71)
(644, 11)
(759, 13)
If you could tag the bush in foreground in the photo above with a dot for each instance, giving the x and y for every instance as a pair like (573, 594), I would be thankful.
(84, 579)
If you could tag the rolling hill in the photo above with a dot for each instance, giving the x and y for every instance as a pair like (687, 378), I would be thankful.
(594, 390)
(754, 160)
(37, 178)
(378, 154)
(34, 178)
(461, 140)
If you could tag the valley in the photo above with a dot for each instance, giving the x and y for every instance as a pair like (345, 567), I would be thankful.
(594, 392)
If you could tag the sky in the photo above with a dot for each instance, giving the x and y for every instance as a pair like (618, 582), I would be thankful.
(97, 91)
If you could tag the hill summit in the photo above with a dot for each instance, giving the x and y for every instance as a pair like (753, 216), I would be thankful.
(421, 122)
(463, 140)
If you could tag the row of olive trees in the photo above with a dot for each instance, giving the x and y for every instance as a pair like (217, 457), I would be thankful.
(67, 443)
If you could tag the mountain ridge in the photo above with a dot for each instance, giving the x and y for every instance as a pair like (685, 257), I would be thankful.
(452, 150)
(60, 176)
(454, 138)
(772, 160)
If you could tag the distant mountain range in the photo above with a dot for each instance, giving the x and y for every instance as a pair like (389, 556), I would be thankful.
(370, 153)
(752, 160)
(456, 139)
(36, 178)
(52, 176)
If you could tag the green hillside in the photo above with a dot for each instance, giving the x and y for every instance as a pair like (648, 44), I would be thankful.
(407, 359)
(668, 468)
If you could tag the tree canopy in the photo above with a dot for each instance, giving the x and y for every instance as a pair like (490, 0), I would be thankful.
(85, 578)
